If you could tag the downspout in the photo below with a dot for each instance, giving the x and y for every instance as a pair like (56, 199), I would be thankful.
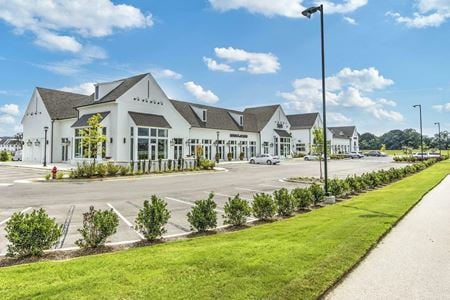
(51, 143)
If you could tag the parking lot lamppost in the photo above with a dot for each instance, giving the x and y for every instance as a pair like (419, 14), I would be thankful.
(439, 136)
(45, 145)
(307, 13)
(421, 133)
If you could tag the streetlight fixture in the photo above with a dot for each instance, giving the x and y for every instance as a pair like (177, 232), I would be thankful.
(421, 133)
(439, 136)
(45, 145)
(307, 13)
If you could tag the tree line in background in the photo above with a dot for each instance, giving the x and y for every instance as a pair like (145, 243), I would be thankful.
(399, 139)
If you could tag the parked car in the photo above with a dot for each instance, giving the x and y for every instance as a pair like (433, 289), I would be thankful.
(420, 155)
(376, 153)
(434, 155)
(356, 155)
(315, 157)
(17, 155)
(265, 159)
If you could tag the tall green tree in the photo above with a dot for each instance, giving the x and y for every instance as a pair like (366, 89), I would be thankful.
(93, 138)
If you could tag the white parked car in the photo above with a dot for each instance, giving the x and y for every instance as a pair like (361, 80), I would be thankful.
(17, 156)
(265, 159)
(419, 155)
(314, 157)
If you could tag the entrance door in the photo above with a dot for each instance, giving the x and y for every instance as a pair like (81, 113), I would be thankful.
(178, 152)
(207, 152)
(65, 149)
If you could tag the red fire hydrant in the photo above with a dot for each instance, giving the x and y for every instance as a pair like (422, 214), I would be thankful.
(54, 171)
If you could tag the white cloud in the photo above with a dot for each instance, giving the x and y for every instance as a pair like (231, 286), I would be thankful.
(285, 8)
(347, 6)
(200, 93)
(256, 63)
(442, 107)
(86, 88)
(429, 13)
(57, 24)
(10, 109)
(338, 119)
(7, 120)
(165, 73)
(350, 21)
(75, 65)
(348, 88)
(215, 66)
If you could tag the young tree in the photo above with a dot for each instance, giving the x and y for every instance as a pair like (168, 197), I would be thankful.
(93, 137)
(317, 147)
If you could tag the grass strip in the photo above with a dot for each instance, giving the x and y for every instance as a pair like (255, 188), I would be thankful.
(297, 258)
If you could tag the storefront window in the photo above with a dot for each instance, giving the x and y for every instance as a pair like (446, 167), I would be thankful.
(142, 148)
(152, 143)
(142, 131)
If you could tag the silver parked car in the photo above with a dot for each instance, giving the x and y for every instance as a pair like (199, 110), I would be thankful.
(265, 159)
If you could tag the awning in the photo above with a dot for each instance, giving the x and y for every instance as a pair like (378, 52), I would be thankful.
(84, 120)
(282, 133)
(149, 120)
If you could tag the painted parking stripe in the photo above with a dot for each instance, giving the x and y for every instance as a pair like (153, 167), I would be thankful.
(22, 181)
(65, 229)
(169, 222)
(190, 203)
(125, 220)
(250, 190)
(228, 196)
(5, 184)
(23, 211)
(269, 185)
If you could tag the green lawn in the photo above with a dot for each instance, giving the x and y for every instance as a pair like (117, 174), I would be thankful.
(297, 258)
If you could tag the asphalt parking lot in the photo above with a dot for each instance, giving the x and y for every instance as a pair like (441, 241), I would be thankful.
(67, 201)
(15, 175)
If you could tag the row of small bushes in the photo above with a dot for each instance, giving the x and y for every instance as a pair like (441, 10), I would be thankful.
(413, 159)
(31, 234)
(109, 169)
(5, 155)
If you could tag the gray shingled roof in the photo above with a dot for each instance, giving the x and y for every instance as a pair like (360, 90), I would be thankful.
(217, 118)
(302, 121)
(283, 133)
(149, 120)
(345, 132)
(262, 115)
(83, 121)
(61, 105)
(127, 83)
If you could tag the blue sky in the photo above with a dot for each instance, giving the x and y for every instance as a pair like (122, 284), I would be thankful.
(382, 56)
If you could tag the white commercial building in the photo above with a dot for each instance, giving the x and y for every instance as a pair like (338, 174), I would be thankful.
(345, 139)
(142, 123)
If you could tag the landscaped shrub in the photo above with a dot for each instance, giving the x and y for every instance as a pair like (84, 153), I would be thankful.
(101, 170)
(152, 218)
(5, 155)
(285, 202)
(354, 184)
(241, 156)
(207, 164)
(123, 170)
(203, 215)
(31, 234)
(98, 226)
(236, 211)
(112, 169)
(264, 207)
(59, 175)
(335, 187)
(230, 156)
(318, 193)
(302, 197)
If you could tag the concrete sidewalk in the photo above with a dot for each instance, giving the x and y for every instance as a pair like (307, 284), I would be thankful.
(412, 261)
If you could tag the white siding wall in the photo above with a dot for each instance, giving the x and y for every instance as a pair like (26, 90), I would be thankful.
(62, 129)
(33, 130)
(268, 133)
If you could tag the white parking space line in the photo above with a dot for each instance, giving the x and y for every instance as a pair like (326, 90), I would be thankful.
(5, 184)
(250, 190)
(189, 203)
(269, 185)
(125, 220)
(22, 181)
(23, 211)
(228, 196)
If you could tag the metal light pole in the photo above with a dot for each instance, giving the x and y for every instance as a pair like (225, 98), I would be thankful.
(307, 13)
(439, 136)
(421, 133)
(45, 145)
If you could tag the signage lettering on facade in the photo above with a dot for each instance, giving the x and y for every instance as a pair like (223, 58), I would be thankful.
(233, 135)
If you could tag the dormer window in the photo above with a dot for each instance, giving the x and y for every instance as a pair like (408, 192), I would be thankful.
(204, 117)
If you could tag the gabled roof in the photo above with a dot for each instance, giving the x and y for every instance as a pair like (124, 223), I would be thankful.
(62, 105)
(343, 132)
(282, 133)
(217, 118)
(302, 121)
(262, 114)
(122, 88)
(149, 120)
(84, 120)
